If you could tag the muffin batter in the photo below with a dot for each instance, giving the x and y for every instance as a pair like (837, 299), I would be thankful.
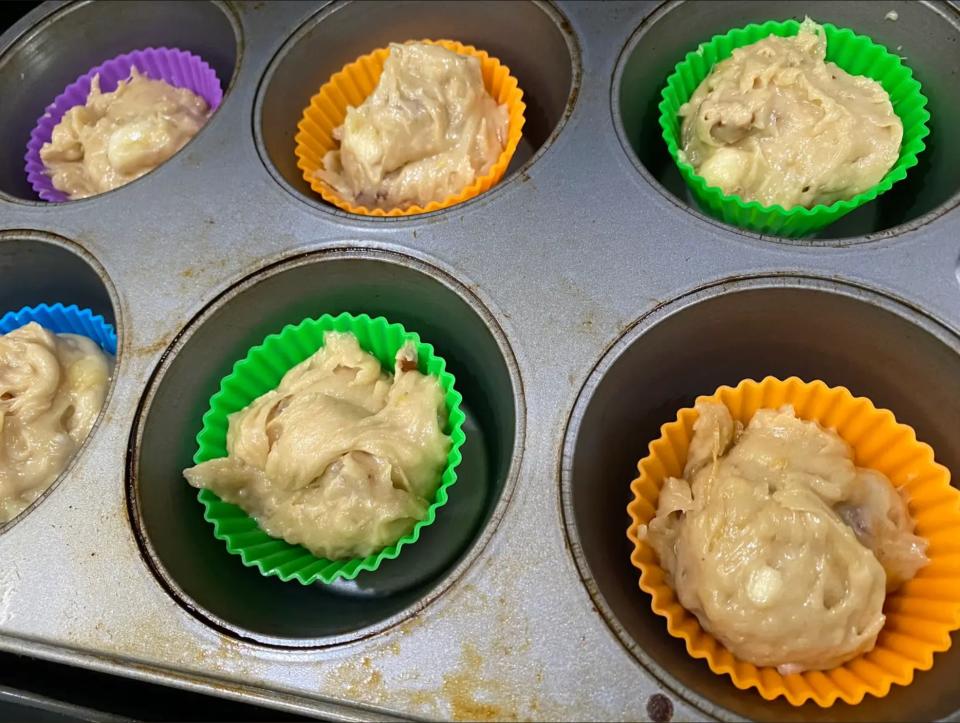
(340, 457)
(754, 540)
(777, 124)
(52, 387)
(425, 133)
(119, 136)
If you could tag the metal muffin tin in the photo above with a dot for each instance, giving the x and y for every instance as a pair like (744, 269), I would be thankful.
(579, 303)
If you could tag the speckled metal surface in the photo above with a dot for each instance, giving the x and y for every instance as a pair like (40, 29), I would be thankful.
(565, 256)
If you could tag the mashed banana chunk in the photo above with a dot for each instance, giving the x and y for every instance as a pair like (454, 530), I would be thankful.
(779, 544)
(52, 387)
(119, 136)
(341, 457)
(778, 124)
(425, 133)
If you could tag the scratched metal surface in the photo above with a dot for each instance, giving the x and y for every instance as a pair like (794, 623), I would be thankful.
(562, 259)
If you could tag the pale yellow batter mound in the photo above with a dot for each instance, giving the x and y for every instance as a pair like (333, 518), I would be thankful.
(119, 136)
(427, 131)
(777, 124)
(341, 457)
(755, 540)
(52, 387)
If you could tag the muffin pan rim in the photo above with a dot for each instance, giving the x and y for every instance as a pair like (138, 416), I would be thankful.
(632, 335)
(510, 180)
(450, 576)
(15, 235)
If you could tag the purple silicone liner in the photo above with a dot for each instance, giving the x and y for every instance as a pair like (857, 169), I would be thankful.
(176, 67)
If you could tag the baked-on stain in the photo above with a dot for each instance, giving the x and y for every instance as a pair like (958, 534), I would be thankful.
(363, 683)
(151, 349)
(659, 708)
(408, 627)
(463, 690)
(476, 687)
(216, 265)
(359, 682)
(221, 665)
(482, 687)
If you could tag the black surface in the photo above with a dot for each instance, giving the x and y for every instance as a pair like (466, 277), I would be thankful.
(12, 11)
(116, 696)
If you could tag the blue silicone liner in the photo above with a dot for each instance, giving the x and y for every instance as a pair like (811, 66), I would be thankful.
(62, 319)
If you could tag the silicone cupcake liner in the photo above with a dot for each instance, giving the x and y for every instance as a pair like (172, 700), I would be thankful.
(919, 616)
(855, 54)
(176, 67)
(351, 86)
(259, 372)
(62, 319)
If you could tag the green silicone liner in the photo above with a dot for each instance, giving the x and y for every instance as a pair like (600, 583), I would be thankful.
(856, 54)
(260, 371)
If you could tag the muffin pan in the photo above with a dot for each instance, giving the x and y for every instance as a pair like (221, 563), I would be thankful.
(579, 303)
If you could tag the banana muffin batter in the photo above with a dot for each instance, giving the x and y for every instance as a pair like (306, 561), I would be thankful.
(427, 131)
(119, 136)
(779, 544)
(52, 387)
(341, 457)
(776, 123)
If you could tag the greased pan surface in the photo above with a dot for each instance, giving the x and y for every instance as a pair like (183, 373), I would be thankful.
(579, 303)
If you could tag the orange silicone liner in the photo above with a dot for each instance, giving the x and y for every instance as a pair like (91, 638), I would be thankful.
(919, 616)
(351, 86)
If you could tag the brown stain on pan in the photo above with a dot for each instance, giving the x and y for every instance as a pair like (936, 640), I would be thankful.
(473, 698)
(200, 271)
(154, 347)
(126, 633)
(465, 693)
(496, 678)
(361, 680)
(358, 681)
(492, 678)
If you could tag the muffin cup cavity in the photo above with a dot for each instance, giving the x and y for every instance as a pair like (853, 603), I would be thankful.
(532, 39)
(197, 569)
(178, 68)
(650, 56)
(856, 54)
(784, 326)
(50, 55)
(357, 80)
(38, 273)
(260, 371)
(920, 615)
